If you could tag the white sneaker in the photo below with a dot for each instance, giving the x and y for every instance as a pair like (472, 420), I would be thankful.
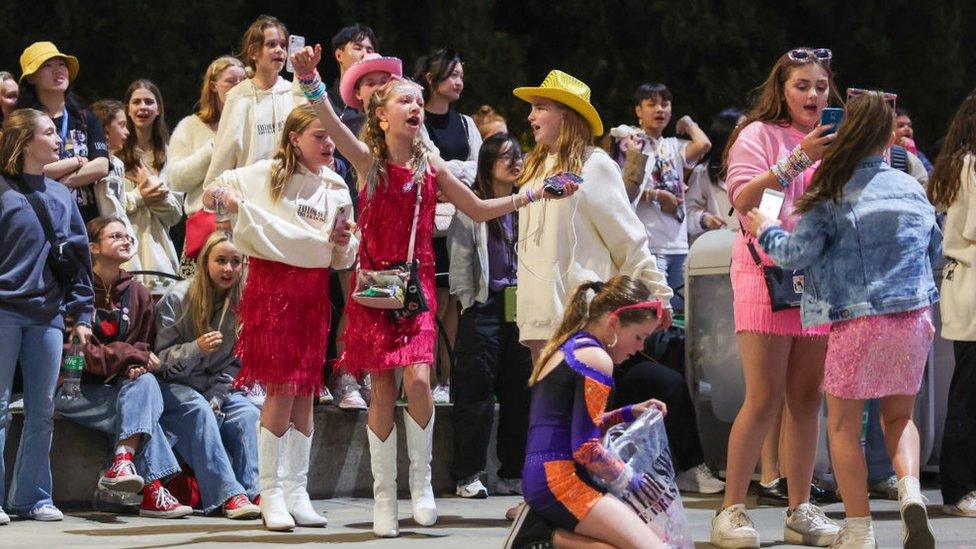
(808, 525)
(472, 490)
(45, 513)
(965, 507)
(4, 517)
(352, 400)
(325, 396)
(441, 394)
(732, 528)
(699, 479)
(508, 487)
(16, 405)
(850, 538)
(914, 515)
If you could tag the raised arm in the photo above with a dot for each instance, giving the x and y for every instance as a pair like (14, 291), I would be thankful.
(700, 144)
(305, 61)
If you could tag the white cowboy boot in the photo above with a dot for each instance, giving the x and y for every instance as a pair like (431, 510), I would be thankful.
(420, 446)
(295, 479)
(274, 511)
(382, 461)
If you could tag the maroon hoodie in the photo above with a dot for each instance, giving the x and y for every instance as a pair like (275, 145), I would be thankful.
(123, 329)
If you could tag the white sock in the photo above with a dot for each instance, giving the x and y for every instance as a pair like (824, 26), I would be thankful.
(859, 524)
(123, 449)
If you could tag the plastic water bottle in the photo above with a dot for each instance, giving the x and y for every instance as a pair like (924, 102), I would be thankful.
(73, 364)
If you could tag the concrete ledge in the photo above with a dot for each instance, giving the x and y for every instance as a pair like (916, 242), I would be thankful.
(339, 461)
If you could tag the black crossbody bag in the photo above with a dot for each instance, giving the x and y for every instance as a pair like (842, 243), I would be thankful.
(62, 257)
(785, 286)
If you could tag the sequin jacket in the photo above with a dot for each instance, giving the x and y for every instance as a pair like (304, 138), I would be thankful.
(871, 253)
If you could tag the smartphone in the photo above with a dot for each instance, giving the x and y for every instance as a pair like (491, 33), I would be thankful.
(834, 117)
(342, 215)
(556, 184)
(771, 203)
(295, 43)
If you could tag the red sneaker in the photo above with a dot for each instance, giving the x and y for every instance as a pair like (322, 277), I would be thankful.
(240, 508)
(157, 502)
(121, 476)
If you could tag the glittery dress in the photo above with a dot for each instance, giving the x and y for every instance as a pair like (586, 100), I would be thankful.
(374, 340)
(564, 451)
(878, 355)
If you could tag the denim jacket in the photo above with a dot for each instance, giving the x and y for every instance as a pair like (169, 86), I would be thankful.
(870, 254)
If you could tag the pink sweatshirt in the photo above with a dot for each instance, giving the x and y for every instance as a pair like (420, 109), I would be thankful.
(758, 147)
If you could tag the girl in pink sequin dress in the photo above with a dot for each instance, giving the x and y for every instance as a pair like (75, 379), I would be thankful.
(391, 161)
(867, 242)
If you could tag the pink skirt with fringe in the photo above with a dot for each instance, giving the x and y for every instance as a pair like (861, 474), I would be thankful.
(751, 307)
(284, 313)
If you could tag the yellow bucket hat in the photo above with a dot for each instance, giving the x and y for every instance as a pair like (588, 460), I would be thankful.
(569, 91)
(37, 53)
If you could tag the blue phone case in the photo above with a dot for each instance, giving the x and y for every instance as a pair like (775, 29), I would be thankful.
(832, 116)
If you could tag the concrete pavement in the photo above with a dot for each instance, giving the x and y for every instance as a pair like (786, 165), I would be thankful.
(467, 524)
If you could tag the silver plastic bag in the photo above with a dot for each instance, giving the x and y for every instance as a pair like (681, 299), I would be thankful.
(643, 446)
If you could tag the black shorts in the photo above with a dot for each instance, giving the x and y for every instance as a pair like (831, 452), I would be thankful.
(442, 262)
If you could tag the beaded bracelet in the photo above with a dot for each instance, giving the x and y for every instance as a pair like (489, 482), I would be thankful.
(790, 167)
(312, 86)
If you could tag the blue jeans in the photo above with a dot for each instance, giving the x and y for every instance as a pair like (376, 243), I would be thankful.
(222, 453)
(39, 350)
(875, 451)
(672, 266)
(125, 408)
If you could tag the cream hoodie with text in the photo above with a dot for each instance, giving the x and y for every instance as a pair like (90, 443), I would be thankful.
(294, 229)
(250, 124)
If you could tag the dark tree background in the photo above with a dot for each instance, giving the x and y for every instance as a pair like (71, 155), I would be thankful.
(710, 53)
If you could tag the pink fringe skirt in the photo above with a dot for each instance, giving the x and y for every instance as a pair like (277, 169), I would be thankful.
(284, 313)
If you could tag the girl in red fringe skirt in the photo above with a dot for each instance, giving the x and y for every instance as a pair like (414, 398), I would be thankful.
(391, 161)
(284, 215)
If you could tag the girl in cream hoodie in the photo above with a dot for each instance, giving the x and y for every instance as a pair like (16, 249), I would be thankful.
(255, 110)
(191, 148)
(285, 217)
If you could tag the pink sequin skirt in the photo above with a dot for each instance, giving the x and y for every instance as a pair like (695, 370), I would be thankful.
(876, 356)
(284, 315)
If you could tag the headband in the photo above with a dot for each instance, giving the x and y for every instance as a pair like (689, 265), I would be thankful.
(650, 304)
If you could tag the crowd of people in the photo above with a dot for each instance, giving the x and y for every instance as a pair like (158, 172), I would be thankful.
(292, 243)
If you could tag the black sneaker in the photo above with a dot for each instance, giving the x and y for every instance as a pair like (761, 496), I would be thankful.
(528, 531)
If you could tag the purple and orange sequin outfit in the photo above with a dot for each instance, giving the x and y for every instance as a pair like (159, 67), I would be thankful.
(564, 450)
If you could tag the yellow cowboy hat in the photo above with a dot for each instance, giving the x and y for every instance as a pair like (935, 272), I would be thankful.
(37, 53)
(569, 91)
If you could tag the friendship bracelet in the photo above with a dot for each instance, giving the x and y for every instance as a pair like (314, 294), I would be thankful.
(313, 87)
(530, 196)
(514, 205)
(790, 167)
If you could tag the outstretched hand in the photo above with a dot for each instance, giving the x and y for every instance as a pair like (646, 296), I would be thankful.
(307, 59)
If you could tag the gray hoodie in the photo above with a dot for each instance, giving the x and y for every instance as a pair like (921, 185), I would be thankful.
(183, 361)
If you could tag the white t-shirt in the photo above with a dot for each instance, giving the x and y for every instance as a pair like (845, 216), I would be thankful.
(665, 170)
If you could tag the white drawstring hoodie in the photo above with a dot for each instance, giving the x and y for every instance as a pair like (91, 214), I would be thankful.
(250, 124)
(294, 229)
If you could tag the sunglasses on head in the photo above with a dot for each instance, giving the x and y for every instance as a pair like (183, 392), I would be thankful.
(806, 55)
(889, 98)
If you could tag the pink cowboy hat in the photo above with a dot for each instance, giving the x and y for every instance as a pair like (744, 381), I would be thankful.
(372, 62)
